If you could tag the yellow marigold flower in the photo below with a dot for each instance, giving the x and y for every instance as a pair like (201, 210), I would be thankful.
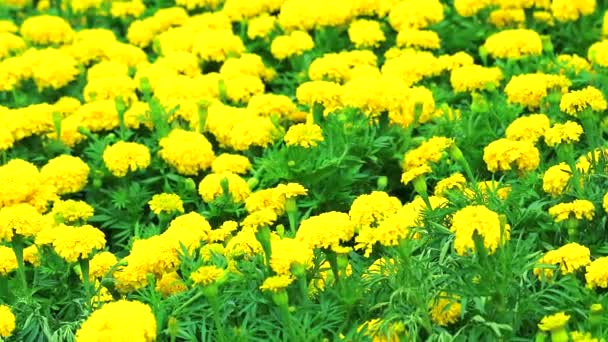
(78, 242)
(306, 15)
(482, 221)
(212, 187)
(8, 260)
(554, 322)
(7, 321)
(329, 94)
(413, 66)
(445, 309)
(51, 232)
(579, 336)
(577, 101)
(22, 219)
(597, 273)
(501, 154)
(217, 45)
(371, 209)
(7, 25)
(272, 104)
(365, 33)
(514, 44)
(326, 230)
(247, 64)
(304, 135)
(430, 151)
(556, 179)
(544, 17)
(570, 258)
(598, 53)
(414, 14)
(261, 26)
(240, 89)
(166, 203)
(423, 39)
(31, 255)
(170, 284)
(417, 104)
(82, 6)
(10, 43)
(277, 283)
(296, 43)
(288, 253)
(579, 209)
(259, 219)
(468, 8)
(70, 211)
(291, 190)
(66, 173)
(456, 181)
(187, 152)
(565, 10)
(207, 275)
(566, 133)
(224, 231)
(115, 321)
(46, 30)
(455, 61)
(591, 159)
(101, 264)
(530, 89)
(18, 181)
(126, 9)
(528, 128)
(123, 157)
(187, 230)
(504, 17)
(574, 63)
(266, 199)
(244, 243)
(414, 173)
(340, 66)
(50, 68)
(475, 77)
(110, 88)
(194, 4)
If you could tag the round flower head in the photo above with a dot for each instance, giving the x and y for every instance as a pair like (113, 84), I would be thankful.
(287, 253)
(19, 181)
(296, 43)
(479, 220)
(78, 242)
(456, 181)
(528, 128)
(371, 209)
(365, 33)
(556, 179)
(414, 173)
(66, 173)
(577, 101)
(115, 321)
(430, 151)
(277, 283)
(259, 219)
(570, 258)
(70, 211)
(170, 283)
(475, 77)
(46, 30)
(215, 185)
(501, 154)
(123, 157)
(596, 273)
(514, 44)
(566, 133)
(234, 163)
(7, 321)
(22, 219)
(445, 309)
(8, 260)
(187, 152)
(304, 135)
(101, 263)
(327, 230)
(579, 209)
(166, 203)
(207, 275)
(554, 322)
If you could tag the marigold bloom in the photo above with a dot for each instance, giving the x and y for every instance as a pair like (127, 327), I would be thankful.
(365, 33)
(596, 273)
(187, 152)
(514, 44)
(123, 157)
(287, 253)
(479, 220)
(421, 39)
(207, 275)
(304, 135)
(327, 230)
(166, 203)
(18, 181)
(566, 133)
(501, 154)
(556, 179)
(430, 151)
(371, 209)
(77, 243)
(8, 261)
(211, 187)
(217, 45)
(456, 181)
(277, 283)
(445, 309)
(529, 90)
(414, 14)
(115, 321)
(101, 263)
(553, 322)
(598, 53)
(46, 30)
(565, 10)
(413, 173)
(579, 209)
(7, 321)
(475, 77)
(577, 101)
(22, 219)
(66, 173)
(296, 43)
(170, 283)
(528, 128)
(570, 258)
(261, 26)
(234, 163)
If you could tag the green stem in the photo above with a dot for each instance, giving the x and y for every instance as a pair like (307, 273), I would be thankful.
(303, 286)
(188, 302)
(333, 262)
(18, 249)
(287, 321)
(292, 214)
(84, 269)
(216, 319)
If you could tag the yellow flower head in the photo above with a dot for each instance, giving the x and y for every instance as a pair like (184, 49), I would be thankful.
(66, 173)
(7, 321)
(212, 187)
(166, 203)
(123, 157)
(479, 220)
(115, 321)
(445, 309)
(577, 101)
(70, 211)
(277, 283)
(596, 273)
(579, 209)
(78, 242)
(514, 44)
(207, 275)
(554, 322)
(569, 258)
(304, 135)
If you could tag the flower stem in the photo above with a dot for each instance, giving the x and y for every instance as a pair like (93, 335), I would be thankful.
(18, 249)
(216, 319)
(84, 269)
